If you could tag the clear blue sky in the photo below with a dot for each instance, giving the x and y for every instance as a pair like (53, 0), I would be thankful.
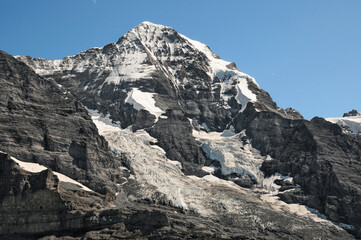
(306, 54)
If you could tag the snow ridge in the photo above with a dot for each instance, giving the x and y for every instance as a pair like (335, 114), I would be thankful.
(352, 122)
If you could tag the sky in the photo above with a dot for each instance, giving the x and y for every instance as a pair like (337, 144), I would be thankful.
(306, 54)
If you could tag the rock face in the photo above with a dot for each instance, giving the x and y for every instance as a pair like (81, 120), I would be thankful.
(43, 123)
(321, 159)
(163, 89)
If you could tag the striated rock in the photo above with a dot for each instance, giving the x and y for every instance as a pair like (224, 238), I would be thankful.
(43, 123)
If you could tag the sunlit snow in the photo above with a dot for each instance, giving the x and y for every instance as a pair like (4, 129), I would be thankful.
(233, 155)
(35, 168)
(219, 68)
(143, 100)
(353, 122)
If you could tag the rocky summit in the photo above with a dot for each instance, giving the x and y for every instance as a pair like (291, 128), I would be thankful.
(156, 137)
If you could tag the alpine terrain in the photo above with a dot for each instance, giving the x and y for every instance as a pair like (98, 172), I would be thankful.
(157, 137)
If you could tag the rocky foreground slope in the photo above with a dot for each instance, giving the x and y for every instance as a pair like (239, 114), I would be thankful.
(193, 148)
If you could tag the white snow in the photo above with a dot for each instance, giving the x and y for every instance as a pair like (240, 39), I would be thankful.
(143, 100)
(298, 209)
(103, 123)
(130, 63)
(30, 167)
(353, 122)
(65, 181)
(233, 155)
(270, 186)
(230, 77)
(209, 169)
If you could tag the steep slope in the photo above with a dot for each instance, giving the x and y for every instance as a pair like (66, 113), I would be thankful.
(42, 123)
(158, 80)
(58, 150)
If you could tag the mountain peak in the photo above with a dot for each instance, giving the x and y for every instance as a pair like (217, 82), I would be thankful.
(151, 27)
(147, 23)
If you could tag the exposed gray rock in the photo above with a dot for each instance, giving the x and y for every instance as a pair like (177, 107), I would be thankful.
(351, 113)
(322, 160)
(42, 123)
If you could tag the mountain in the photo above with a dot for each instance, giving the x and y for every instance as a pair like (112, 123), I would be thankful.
(184, 146)
(185, 79)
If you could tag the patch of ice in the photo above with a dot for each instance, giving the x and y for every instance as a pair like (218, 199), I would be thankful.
(103, 123)
(233, 155)
(30, 167)
(156, 173)
(270, 186)
(65, 181)
(143, 100)
(209, 169)
(205, 127)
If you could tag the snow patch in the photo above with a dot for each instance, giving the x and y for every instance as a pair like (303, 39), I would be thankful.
(353, 122)
(103, 123)
(209, 169)
(65, 181)
(231, 153)
(30, 167)
(270, 186)
(298, 209)
(143, 100)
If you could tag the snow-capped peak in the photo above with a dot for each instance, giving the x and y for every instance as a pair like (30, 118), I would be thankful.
(147, 23)
(151, 49)
(164, 45)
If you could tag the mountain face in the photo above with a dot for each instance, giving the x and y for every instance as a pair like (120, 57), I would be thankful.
(171, 141)
(43, 123)
(185, 79)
